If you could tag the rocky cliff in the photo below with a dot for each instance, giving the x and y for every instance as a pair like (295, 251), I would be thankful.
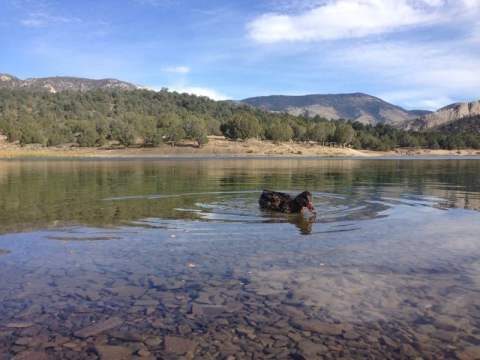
(445, 115)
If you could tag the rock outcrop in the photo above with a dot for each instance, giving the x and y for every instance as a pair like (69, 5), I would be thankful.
(445, 115)
(61, 83)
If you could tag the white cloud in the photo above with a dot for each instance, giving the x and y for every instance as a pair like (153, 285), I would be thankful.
(43, 19)
(422, 100)
(475, 34)
(418, 69)
(31, 22)
(438, 72)
(155, 2)
(193, 90)
(177, 69)
(339, 19)
(201, 91)
(471, 4)
(440, 64)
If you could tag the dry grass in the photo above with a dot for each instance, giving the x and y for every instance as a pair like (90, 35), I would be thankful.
(217, 146)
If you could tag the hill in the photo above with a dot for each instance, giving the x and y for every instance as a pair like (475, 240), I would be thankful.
(62, 83)
(470, 124)
(446, 115)
(359, 107)
(111, 113)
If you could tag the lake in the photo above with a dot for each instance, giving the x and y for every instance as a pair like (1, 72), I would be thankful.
(174, 259)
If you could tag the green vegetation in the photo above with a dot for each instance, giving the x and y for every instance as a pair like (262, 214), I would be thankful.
(148, 118)
(242, 125)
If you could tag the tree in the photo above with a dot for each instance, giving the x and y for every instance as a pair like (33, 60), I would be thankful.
(344, 134)
(320, 132)
(86, 134)
(278, 131)
(171, 126)
(242, 125)
(299, 131)
(149, 131)
(174, 134)
(12, 132)
(102, 126)
(212, 125)
(123, 132)
(153, 137)
(366, 140)
(195, 129)
(408, 140)
(472, 140)
(32, 134)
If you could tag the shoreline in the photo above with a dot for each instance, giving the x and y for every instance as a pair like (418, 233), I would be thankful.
(220, 148)
(236, 157)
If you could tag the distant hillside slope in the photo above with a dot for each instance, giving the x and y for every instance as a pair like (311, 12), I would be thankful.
(445, 115)
(58, 84)
(359, 107)
(470, 125)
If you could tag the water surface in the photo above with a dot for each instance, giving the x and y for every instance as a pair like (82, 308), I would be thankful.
(169, 259)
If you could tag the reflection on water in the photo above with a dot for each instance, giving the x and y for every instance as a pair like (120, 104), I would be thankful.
(174, 259)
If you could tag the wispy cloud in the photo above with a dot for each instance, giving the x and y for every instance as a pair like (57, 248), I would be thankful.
(155, 2)
(40, 13)
(339, 19)
(43, 19)
(177, 69)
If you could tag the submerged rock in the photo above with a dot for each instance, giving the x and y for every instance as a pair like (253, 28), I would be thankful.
(246, 331)
(153, 342)
(207, 310)
(319, 327)
(128, 336)
(178, 345)
(31, 355)
(98, 328)
(309, 348)
(128, 291)
(470, 353)
(144, 353)
(19, 325)
(110, 352)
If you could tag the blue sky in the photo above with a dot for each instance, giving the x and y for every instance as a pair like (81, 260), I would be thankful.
(414, 53)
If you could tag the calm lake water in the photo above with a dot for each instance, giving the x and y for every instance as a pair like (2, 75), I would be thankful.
(174, 259)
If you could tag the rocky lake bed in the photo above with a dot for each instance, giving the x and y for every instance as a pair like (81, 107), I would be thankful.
(131, 260)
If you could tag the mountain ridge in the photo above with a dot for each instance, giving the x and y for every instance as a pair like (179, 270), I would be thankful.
(357, 106)
(62, 83)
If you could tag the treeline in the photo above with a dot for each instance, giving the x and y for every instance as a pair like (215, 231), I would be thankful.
(384, 137)
(149, 118)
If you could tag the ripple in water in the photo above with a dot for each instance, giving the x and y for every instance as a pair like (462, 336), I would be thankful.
(242, 207)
